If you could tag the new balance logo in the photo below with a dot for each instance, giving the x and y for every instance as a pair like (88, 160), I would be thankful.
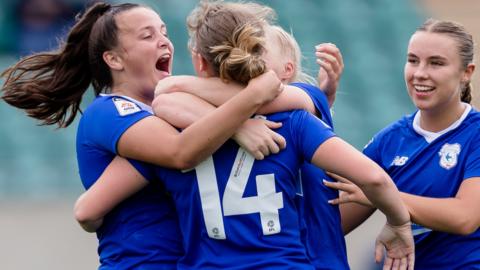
(399, 161)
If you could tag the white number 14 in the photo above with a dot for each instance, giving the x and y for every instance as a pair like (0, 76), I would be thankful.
(266, 203)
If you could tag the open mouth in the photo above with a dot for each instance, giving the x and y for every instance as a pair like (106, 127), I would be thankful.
(423, 88)
(163, 63)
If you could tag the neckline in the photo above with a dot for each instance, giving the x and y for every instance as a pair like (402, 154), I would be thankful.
(431, 136)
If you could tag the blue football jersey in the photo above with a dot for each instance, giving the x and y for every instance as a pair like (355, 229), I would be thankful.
(433, 168)
(141, 232)
(322, 231)
(236, 212)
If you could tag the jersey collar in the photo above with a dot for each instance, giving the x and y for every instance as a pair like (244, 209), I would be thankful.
(431, 136)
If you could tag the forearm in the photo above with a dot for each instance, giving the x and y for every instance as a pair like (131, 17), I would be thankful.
(212, 90)
(450, 215)
(181, 109)
(367, 175)
(385, 196)
(353, 215)
(217, 92)
(291, 98)
(206, 135)
(331, 99)
(119, 181)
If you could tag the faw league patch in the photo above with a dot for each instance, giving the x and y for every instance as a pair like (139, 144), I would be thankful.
(125, 107)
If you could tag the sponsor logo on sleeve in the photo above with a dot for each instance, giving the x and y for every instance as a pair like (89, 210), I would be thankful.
(125, 107)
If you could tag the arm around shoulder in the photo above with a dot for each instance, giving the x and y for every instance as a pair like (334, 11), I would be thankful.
(155, 141)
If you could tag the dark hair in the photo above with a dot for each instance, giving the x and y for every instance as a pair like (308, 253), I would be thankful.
(230, 37)
(49, 86)
(465, 45)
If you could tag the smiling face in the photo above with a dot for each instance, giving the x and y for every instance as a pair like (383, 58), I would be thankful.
(434, 73)
(144, 50)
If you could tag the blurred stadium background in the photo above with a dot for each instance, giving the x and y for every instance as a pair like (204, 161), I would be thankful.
(38, 173)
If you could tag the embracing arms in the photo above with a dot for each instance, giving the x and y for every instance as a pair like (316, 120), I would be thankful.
(458, 215)
(154, 140)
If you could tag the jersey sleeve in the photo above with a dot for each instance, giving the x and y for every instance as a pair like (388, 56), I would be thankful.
(311, 132)
(111, 118)
(472, 166)
(320, 101)
(371, 149)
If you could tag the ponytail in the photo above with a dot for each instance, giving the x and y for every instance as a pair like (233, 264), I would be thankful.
(467, 93)
(49, 86)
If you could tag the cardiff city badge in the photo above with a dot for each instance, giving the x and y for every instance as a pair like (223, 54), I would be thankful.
(449, 155)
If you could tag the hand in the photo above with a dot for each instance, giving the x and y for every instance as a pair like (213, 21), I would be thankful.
(168, 85)
(331, 67)
(268, 86)
(256, 136)
(349, 192)
(399, 246)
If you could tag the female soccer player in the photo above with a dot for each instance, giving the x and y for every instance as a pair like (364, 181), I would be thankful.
(433, 155)
(123, 50)
(321, 225)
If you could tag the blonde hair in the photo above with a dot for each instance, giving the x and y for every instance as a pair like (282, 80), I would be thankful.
(289, 47)
(464, 41)
(230, 36)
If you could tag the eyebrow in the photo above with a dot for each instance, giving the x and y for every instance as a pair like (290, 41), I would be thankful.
(438, 57)
(434, 57)
(150, 27)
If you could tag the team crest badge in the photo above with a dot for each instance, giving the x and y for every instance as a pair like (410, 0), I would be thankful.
(449, 155)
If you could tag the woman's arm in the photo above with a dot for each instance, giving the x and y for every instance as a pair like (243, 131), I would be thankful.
(458, 215)
(353, 215)
(119, 181)
(217, 92)
(337, 156)
(331, 65)
(155, 141)
(255, 135)
(348, 162)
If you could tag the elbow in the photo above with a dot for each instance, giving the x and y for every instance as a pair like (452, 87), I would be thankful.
(80, 213)
(376, 180)
(159, 104)
(184, 165)
(84, 218)
(465, 227)
(184, 160)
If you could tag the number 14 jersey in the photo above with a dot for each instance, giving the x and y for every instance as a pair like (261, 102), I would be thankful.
(239, 213)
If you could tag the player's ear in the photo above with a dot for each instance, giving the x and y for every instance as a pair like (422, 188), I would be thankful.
(113, 60)
(288, 71)
(200, 65)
